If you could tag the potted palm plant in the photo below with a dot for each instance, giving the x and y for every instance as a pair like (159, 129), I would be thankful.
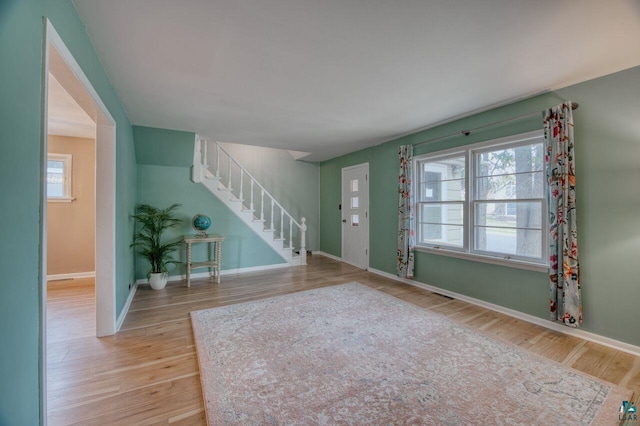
(152, 222)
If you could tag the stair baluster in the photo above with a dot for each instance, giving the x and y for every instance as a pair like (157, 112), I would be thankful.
(290, 232)
(272, 212)
(217, 161)
(281, 224)
(204, 152)
(303, 240)
(251, 203)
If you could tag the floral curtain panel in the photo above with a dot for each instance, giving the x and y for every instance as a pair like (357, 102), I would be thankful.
(564, 268)
(405, 217)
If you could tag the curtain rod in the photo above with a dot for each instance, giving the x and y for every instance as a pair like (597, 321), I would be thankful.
(574, 105)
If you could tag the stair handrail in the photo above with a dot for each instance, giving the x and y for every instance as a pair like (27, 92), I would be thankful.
(200, 160)
(218, 146)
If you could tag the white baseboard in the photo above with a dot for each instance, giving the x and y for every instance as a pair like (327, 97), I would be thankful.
(252, 269)
(586, 335)
(71, 276)
(330, 256)
(125, 308)
(222, 273)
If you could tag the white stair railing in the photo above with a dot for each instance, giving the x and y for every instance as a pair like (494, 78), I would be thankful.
(252, 196)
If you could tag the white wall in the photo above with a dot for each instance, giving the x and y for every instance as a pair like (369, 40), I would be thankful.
(294, 183)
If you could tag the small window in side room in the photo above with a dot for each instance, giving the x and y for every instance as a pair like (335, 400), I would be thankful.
(59, 177)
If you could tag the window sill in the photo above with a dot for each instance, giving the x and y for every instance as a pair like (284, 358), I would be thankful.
(60, 200)
(486, 259)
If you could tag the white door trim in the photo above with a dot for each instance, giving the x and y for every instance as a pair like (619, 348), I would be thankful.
(355, 166)
(105, 205)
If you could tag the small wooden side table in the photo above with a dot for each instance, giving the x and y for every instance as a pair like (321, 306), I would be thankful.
(214, 256)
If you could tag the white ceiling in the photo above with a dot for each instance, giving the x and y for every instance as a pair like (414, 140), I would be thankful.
(333, 76)
(65, 117)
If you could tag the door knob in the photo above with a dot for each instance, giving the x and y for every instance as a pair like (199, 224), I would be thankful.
(344, 220)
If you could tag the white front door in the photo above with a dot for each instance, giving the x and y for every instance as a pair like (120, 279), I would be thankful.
(355, 215)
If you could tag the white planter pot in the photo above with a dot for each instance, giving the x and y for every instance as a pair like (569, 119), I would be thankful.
(158, 281)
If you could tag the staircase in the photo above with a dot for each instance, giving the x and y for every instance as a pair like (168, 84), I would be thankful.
(249, 200)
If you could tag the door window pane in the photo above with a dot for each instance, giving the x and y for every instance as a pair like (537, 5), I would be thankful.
(355, 220)
(354, 185)
(354, 202)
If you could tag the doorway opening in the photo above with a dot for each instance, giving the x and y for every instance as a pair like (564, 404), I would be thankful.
(63, 158)
(70, 187)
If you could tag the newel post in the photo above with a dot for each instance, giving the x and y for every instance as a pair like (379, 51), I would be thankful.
(303, 241)
(196, 170)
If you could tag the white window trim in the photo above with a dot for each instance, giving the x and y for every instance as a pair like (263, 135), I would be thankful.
(466, 252)
(495, 260)
(445, 215)
(449, 153)
(67, 159)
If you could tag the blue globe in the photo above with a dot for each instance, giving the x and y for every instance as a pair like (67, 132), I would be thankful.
(201, 222)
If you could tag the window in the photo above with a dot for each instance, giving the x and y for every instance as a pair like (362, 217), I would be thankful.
(59, 177)
(485, 201)
(441, 201)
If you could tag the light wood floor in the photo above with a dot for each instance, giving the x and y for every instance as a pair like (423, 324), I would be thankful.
(148, 372)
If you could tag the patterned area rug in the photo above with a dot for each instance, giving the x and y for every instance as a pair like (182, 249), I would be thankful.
(349, 354)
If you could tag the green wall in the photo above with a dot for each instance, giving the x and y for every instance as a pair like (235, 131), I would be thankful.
(21, 178)
(163, 147)
(609, 205)
(164, 179)
(162, 186)
(607, 131)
